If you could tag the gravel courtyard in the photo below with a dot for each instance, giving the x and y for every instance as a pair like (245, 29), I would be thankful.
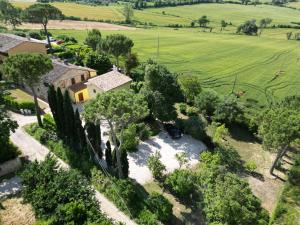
(168, 149)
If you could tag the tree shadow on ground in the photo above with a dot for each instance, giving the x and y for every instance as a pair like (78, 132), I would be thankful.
(242, 134)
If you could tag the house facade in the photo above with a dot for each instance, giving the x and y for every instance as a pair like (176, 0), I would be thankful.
(66, 77)
(11, 44)
(111, 81)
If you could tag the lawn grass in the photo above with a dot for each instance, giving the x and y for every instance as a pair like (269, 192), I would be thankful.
(261, 64)
(21, 96)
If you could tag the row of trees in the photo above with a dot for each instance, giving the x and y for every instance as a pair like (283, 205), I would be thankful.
(68, 123)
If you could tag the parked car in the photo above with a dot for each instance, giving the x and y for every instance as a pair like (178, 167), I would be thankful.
(173, 131)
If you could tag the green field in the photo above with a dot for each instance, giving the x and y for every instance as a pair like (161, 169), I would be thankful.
(262, 64)
(84, 11)
(234, 13)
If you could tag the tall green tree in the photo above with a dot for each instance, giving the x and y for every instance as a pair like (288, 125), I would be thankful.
(203, 21)
(94, 136)
(128, 12)
(9, 14)
(93, 39)
(60, 113)
(162, 91)
(117, 45)
(97, 61)
(279, 128)
(28, 69)
(80, 133)
(263, 23)
(207, 101)
(42, 13)
(131, 61)
(119, 109)
(190, 86)
(52, 100)
(70, 126)
(108, 155)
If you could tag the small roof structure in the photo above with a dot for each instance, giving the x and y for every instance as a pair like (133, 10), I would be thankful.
(10, 41)
(60, 68)
(110, 80)
(78, 87)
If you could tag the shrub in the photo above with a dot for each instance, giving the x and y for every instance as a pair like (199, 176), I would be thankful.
(195, 127)
(192, 111)
(64, 196)
(130, 139)
(144, 131)
(207, 101)
(48, 122)
(182, 108)
(8, 152)
(181, 182)
(250, 166)
(35, 35)
(147, 218)
(160, 206)
(15, 106)
(20, 33)
(156, 166)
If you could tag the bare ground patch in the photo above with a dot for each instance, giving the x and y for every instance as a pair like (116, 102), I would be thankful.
(77, 25)
(264, 186)
(15, 212)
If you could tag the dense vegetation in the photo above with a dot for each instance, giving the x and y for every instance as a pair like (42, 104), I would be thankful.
(59, 196)
(8, 150)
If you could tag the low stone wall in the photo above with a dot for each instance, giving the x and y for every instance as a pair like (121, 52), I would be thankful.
(10, 166)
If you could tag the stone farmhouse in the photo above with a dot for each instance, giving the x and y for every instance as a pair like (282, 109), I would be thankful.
(12, 44)
(81, 82)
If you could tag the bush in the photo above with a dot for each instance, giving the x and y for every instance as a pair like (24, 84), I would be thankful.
(192, 111)
(182, 108)
(181, 182)
(67, 38)
(64, 196)
(8, 152)
(251, 166)
(15, 106)
(147, 218)
(48, 122)
(195, 127)
(160, 206)
(130, 139)
(35, 35)
(156, 167)
(207, 101)
(20, 33)
(144, 131)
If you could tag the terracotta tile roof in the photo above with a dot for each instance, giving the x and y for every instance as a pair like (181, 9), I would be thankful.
(110, 80)
(9, 41)
(60, 68)
(77, 87)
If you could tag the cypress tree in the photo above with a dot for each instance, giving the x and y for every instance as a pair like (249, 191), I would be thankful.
(94, 135)
(70, 128)
(80, 132)
(60, 113)
(108, 156)
(53, 106)
(125, 164)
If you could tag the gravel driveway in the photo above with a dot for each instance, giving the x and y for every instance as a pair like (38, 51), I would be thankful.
(168, 148)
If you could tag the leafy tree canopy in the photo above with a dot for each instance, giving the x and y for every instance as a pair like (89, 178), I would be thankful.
(190, 86)
(93, 39)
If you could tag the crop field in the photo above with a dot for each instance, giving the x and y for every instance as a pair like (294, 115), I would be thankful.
(262, 66)
(234, 13)
(112, 13)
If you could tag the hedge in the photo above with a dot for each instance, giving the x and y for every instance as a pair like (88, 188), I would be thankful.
(15, 106)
